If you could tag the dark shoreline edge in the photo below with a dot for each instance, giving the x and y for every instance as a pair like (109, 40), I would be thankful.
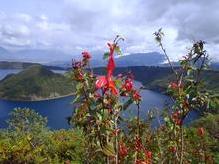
(43, 99)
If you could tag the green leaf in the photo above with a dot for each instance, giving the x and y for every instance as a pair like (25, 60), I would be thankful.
(77, 98)
(108, 150)
(118, 50)
(118, 83)
(106, 55)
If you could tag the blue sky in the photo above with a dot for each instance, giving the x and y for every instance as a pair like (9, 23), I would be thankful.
(74, 25)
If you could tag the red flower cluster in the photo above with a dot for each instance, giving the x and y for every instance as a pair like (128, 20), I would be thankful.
(136, 96)
(172, 149)
(76, 64)
(138, 144)
(86, 55)
(123, 150)
(176, 118)
(106, 82)
(200, 132)
(148, 154)
(128, 86)
(174, 85)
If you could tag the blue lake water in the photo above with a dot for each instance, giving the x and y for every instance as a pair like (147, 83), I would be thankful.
(57, 110)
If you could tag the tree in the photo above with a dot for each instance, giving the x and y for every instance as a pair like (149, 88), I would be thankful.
(26, 120)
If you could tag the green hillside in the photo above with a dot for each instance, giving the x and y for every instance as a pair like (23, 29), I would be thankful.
(35, 83)
(157, 78)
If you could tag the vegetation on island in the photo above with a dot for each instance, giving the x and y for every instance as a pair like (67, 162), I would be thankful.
(35, 83)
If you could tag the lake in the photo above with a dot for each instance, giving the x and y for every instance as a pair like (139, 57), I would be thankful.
(57, 110)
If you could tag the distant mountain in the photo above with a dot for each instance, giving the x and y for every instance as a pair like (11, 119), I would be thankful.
(34, 55)
(141, 59)
(24, 65)
(215, 65)
(34, 83)
(135, 59)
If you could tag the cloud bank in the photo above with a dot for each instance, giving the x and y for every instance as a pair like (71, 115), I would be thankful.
(74, 25)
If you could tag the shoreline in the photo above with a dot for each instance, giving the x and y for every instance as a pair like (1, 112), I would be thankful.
(40, 99)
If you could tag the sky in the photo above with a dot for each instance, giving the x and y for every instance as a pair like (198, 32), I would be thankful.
(76, 25)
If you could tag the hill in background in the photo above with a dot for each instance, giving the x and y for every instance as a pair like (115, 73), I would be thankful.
(35, 83)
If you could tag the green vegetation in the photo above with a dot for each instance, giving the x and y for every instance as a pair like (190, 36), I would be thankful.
(157, 78)
(28, 140)
(211, 123)
(34, 83)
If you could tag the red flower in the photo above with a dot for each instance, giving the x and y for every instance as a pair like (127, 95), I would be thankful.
(172, 149)
(173, 85)
(138, 144)
(116, 132)
(79, 76)
(111, 63)
(101, 82)
(112, 87)
(175, 115)
(136, 96)
(107, 82)
(201, 132)
(76, 64)
(128, 85)
(179, 122)
(140, 162)
(148, 154)
(123, 150)
(86, 55)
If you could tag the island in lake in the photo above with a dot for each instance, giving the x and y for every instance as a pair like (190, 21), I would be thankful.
(35, 83)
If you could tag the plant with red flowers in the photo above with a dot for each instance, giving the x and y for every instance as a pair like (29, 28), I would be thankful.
(187, 92)
(99, 105)
(111, 138)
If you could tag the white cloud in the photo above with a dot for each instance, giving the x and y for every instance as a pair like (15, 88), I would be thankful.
(72, 25)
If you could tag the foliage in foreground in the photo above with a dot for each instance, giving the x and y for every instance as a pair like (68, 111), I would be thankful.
(113, 140)
(17, 145)
(27, 140)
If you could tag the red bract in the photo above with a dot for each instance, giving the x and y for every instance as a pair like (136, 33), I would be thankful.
(148, 154)
(140, 162)
(111, 63)
(179, 122)
(128, 86)
(123, 150)
(76, 65)
(186, 104)
(200, 132)
(116, 132)
(172, 149)
(173, 85)
(86, 55)
(136, 96)
(177, 118)
(138, 144)
(112, 87)
(107, 82)
(101, 82)
(79, 76)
